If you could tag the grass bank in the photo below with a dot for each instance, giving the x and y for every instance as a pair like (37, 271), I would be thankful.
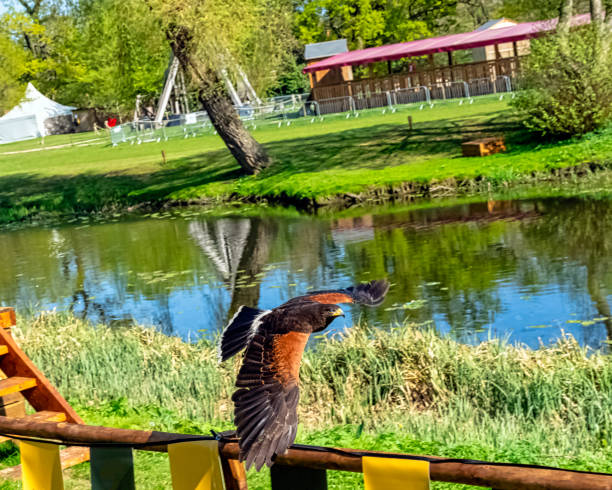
(399, 389)
(338, 160)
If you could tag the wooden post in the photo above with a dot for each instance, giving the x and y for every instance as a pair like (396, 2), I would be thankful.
(497, 53)
(450, 58)
(12, 405)
(234, 473)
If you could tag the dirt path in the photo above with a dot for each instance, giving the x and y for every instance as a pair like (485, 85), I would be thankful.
(80, 143)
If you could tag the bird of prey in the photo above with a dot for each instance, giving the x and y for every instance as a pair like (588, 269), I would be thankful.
(265, 403)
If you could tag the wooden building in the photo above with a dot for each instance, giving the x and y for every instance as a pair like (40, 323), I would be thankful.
(316, 52)
(493, 54)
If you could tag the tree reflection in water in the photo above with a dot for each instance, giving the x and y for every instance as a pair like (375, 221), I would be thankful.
(239, 250)
(497, 268)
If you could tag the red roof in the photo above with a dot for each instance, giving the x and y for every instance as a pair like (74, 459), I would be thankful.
(452, 42)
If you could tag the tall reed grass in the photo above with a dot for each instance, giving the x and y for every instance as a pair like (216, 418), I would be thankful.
(402, 379)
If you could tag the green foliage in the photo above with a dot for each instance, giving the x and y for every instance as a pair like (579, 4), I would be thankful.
(95, 54)
(531, 10)
(15, 60)
(567, 85)
(12, 60)
(251, 34)
(368, 23)
(117, 51)
(290, 79)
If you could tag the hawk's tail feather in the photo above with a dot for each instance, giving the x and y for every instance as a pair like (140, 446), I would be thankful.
(370, 293)
(238, 332)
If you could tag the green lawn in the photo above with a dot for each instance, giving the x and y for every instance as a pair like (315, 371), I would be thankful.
(312, 160)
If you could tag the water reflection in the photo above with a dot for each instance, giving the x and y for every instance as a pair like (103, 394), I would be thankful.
(522, 269)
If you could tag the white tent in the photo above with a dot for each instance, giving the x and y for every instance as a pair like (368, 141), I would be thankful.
(35, 116)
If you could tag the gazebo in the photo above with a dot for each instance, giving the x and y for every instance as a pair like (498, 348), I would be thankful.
(496, 52)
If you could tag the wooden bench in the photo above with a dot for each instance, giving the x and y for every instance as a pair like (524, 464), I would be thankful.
(483, 147)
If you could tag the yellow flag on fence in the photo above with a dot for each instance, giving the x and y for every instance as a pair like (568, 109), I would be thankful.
(395, 473)
(195, 466)
(40, 466)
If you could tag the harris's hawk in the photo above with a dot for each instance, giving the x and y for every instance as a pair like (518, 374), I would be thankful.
(266, 400)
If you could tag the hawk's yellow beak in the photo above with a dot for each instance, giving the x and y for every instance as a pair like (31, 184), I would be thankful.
(338, 312)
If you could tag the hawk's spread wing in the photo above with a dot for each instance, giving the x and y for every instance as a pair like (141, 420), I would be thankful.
(370, 294)
(266, 402)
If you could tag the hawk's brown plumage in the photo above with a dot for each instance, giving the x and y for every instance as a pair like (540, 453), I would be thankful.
(266, 400)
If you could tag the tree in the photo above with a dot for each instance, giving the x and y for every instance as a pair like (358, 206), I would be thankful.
(567, 79)
(368, 23)
(14, 61)
(116, 52)
(531, 10)
(290, 80)
(208, 36)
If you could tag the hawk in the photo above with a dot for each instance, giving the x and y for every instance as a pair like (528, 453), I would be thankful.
(265, 403)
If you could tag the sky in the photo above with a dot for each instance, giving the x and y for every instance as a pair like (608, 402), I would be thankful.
(6, 4)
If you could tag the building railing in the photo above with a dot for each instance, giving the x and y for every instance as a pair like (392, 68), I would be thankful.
(411, 95)
(493, 69)
(415, 95)
(301, 458)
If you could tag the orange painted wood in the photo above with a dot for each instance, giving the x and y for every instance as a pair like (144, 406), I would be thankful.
(44, 397)
(73, 455)
(16, 384)
(483, 147)
(8, 318)
(47, 416)
(3, 350)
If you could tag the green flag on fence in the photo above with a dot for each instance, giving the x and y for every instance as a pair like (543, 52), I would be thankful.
(112, 468)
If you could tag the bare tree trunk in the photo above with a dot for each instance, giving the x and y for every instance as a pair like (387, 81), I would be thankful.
(599, 299)
(246, 150)
(607, 7)
(252, 262)
(597, 15)
(565, 17)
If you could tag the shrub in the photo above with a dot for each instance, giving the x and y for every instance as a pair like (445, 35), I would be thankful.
(567, 85)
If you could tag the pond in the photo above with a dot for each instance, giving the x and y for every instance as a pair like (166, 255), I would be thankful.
(522, 270)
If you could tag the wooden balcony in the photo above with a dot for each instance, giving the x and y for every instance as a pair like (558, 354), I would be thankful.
(427, 77)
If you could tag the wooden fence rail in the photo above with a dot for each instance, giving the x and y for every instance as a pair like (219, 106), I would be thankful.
(502, 477)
